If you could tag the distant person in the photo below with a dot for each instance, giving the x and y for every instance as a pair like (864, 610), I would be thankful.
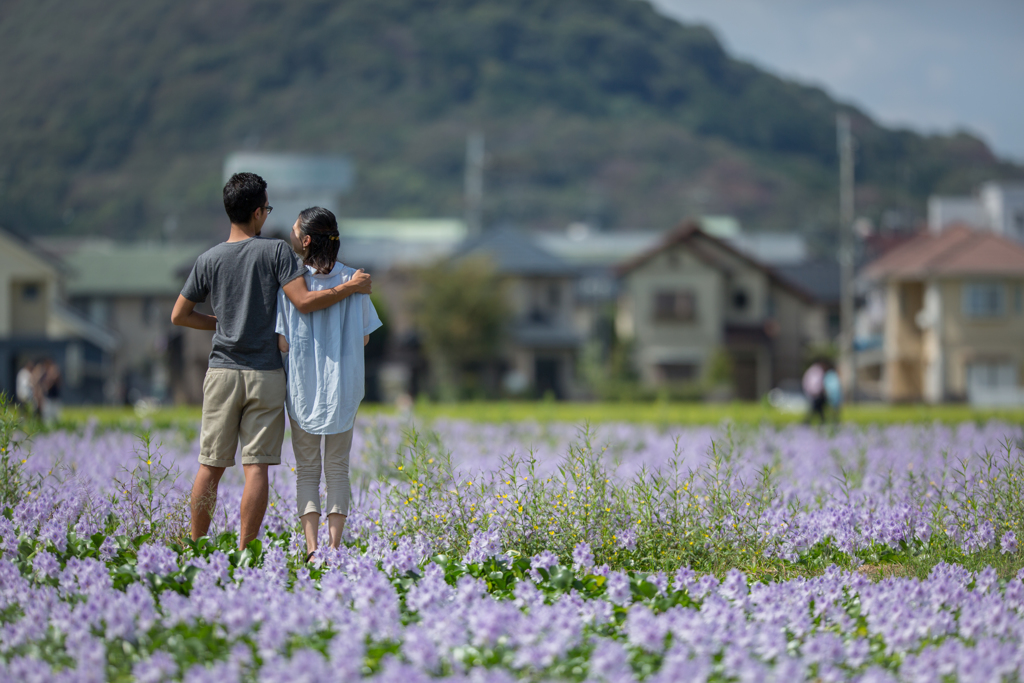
(48, 386)
(833, 389)
(326, 375)
(814, 390)
(244, 389)
(25, 388)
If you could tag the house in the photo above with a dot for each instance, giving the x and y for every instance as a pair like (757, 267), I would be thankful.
(542, 345)
(997, 206)
(295, 182)
(944, 319)
(130, 289)
(694, 296)
(36, 322)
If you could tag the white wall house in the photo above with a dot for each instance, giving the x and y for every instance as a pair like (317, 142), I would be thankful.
(997, 206)
(295, 182)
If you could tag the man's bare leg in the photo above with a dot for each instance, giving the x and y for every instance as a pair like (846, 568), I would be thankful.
(254, 502)
(204, 499)
(310, 522)
(335, 525)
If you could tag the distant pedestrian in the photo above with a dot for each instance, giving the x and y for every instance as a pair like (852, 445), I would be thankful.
(48, 386)
(326, 375)
(244, 389)
(25, 388)
(833, 392)
(814, 390)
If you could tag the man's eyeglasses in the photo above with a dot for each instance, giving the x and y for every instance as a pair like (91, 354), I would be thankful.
(268, 208)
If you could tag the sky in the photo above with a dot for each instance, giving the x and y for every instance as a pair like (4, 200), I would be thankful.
(930, 65)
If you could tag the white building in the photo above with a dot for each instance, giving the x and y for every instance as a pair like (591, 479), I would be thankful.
(295, 182)
(997, 206)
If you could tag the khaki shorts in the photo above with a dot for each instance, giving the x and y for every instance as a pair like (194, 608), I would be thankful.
(244, 406)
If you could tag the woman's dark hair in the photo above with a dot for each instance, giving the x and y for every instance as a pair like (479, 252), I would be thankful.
(243, 194)
(322, 228)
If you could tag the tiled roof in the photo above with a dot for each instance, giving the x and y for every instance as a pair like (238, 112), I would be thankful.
(820, 278)
(516, 254)
(956, 251)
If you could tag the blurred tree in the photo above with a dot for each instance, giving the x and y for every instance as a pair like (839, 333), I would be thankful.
(461, 311)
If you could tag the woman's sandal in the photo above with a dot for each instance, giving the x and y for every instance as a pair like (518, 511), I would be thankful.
(309, 555)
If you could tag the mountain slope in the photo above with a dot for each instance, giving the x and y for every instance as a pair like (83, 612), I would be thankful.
(116, 116)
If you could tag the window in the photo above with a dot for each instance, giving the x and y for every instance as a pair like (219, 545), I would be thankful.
(30, 292)
(675, 306)
(740, 300)
(554, 295)
(992, 375)
(677, 372)
(983, 299)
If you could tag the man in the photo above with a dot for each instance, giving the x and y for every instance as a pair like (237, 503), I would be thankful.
(244, 389)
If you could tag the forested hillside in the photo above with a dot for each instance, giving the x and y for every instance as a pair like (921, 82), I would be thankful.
(116, 115)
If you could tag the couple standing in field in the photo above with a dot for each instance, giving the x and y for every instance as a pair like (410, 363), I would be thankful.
(266, 303)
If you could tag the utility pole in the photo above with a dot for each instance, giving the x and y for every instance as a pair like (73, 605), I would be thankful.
(848, 369)
(474, 188)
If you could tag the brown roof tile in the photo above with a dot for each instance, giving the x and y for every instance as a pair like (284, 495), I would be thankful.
(958, 250)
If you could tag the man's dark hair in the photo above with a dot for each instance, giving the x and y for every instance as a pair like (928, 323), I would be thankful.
(243, 194)
(322, 228)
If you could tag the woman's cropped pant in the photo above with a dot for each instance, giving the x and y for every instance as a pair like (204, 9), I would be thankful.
(335, 467)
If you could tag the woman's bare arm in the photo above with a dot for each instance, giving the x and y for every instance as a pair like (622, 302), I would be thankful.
(307, 302)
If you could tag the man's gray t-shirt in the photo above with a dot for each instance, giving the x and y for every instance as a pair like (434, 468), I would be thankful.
(242, 279)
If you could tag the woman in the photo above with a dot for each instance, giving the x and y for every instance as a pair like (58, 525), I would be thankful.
(325, 374)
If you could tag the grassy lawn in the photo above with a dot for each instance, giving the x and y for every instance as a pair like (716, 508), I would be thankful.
(661, 413)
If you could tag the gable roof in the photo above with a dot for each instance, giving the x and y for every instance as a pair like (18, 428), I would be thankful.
(690, 233)
(820, 277)
(36, 256)
(956, 251)
(103, 267)
(515, 254)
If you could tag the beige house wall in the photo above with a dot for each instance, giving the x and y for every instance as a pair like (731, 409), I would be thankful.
(998, 339)
(797, 325)
(903, 342)
(714, 285)
(925, 358)
(669, 342)
(19, 267)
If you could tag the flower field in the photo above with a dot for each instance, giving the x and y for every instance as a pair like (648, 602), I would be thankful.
(518, 550)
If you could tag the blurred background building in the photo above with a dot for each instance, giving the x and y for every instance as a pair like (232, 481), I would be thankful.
(575, 146)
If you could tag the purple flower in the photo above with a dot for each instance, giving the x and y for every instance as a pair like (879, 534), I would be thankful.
(582, 557)
(157, 559)
(1008, 542)
(483, 546)
(645, 630)
(684, 579)
(45, 565)
(625, 539)
(617, 589)
(158, 668)
(545, 560)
